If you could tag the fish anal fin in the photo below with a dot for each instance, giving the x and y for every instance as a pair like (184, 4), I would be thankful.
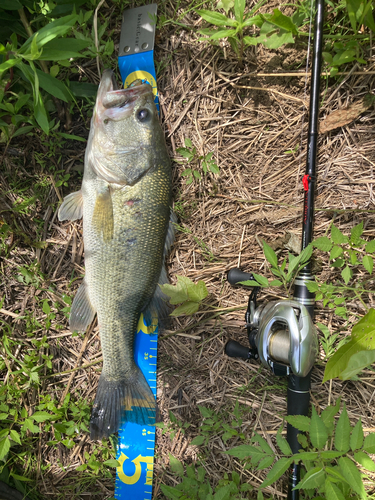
(102, 218)
(82, 312)
(72, 207)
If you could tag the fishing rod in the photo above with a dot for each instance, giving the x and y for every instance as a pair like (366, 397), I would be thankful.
(281, 333)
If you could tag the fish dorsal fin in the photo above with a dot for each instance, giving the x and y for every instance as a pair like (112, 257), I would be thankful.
(82, 312)
(102, 218)
(72, 207)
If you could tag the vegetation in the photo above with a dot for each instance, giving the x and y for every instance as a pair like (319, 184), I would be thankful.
(45, 91)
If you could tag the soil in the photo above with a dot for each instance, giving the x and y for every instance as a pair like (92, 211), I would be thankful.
(256, 128)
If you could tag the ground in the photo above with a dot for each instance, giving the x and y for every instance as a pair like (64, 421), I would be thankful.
(256, 128)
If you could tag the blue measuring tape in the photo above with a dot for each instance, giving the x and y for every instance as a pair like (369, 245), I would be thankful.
(136, 443)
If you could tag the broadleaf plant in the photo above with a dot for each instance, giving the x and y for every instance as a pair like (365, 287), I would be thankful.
(334, 455)
(186, 293)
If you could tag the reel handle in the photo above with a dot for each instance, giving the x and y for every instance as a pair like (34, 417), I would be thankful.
(236, 350)
(235, 275)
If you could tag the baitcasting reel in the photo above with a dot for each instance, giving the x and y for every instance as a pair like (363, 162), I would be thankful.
(281, 334)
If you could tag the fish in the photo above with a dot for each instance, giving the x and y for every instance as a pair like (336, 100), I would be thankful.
(125, 202)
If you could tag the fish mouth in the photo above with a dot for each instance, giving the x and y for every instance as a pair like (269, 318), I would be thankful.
(110, 96)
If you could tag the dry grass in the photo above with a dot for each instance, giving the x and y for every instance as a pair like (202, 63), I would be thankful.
(256, 127)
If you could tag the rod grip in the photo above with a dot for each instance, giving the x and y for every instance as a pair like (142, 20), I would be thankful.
(236, 350)
(298, 403)
(235, 275)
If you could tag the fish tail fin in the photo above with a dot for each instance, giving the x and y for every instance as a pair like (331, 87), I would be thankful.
(126, 400)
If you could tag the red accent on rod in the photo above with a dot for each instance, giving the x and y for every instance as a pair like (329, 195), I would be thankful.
(305, 182)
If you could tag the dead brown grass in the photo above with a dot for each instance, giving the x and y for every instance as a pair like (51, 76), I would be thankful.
(256, 126)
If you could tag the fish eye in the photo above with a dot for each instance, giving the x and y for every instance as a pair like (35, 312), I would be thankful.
(142, 115)
(106, 121)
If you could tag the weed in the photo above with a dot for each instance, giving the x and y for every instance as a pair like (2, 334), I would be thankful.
(195, 486)
(186, 293)
(214, 425)
(205, 163)
(330, 451)
(175, 425)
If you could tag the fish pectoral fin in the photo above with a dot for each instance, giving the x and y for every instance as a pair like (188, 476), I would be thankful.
(82, 312)
(102, 218)
(72, 207)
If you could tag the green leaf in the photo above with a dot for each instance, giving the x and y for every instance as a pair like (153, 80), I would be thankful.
(370, 247)
(198, 291)
(346, 274)
(336, 252)
(352, 475)
(14, 435)
(216, 18)
(248, 283)
(263, 281)
(337, 237)
(331, 454)
(342, 434)
(225, 5)
(11, 5)
(364, 460)
(299, 261)
(187, 308)
(63, 48)
(255, 20)
(223, 492)
(178, 293)
(239, 8)
(171, 492)
(368, 263)
(369, 443)
(283, 444)
(299, 422)
(52, 30)
(8, 64)
(262, 443)
(282, 21)
(41, 114)
(222, 33)
(314, 478)
(275, 283)
(4, 448)
(176, 465)
(277, 471)
(323, 243)
(46, 307)
(352, 7)
(270, 254)
(266, 462)
(312, 286)
(356, 437)
(112, 463)
(358, 362)
(245, 451)
(277, 40)
(318, 431)
(332, 491)
(42, 416)
(306, 456)
(198, 441)
(356, 233)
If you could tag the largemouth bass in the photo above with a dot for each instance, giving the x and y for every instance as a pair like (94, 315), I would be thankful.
(125, 202)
